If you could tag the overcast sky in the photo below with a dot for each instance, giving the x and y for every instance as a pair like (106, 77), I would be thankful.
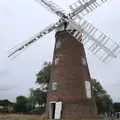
(20, 19)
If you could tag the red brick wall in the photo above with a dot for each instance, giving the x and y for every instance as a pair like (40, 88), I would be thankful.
(70, 74)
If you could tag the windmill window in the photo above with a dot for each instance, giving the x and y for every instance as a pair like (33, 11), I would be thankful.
(54, 86)
(57, 60)
(84, 61)
(58, 44)
(88, 89)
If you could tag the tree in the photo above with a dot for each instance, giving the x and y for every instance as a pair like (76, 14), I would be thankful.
(43, 76)
(103, 100)
(20, 105)
(5, 102)
(6, 106)
(38, 100)
(116, 107)
(38, 96)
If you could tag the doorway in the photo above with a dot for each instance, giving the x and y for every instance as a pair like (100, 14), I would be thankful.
(55, 109)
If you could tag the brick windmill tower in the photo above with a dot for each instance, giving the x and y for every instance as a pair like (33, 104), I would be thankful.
(70, 92)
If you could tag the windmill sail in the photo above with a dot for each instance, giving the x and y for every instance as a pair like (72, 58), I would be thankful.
(81, 7)
(20, 47)
(99, 44)
(60, 12)
(51, 6)
(96, 41)
(90, 5)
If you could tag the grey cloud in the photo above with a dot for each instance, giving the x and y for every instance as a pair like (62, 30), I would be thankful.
(5, 87)
(3, 73)
(30, 17)
(113, 90)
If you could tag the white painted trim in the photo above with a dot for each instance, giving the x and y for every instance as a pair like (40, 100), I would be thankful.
(58, 109)
(58, 44)
(88, 89)
(84, 61)
(57, 59)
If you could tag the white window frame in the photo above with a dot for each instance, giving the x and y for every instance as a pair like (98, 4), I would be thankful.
(58, 109)
(54, 86)
(88, 89)
(57, 60)
(84, 61)
(58, 44)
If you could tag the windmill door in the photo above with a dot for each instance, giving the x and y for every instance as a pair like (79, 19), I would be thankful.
(55, 110)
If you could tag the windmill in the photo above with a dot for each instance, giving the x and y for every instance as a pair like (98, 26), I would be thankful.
(70, 94)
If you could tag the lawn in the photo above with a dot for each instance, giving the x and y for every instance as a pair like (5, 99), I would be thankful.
(29, 117)
(19, 117)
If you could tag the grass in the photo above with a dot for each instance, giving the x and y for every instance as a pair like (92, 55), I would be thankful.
(19, 117)
(31, 117)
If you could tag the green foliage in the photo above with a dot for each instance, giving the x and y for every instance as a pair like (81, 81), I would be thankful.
(38, 100)
(35, 103)
(43, 76)
(116, 107)
(103, 100)
(20, 105)
(6, 106)
(39, 96)
(5, 102)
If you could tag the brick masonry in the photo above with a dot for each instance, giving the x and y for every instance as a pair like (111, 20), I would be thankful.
(69, 72)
